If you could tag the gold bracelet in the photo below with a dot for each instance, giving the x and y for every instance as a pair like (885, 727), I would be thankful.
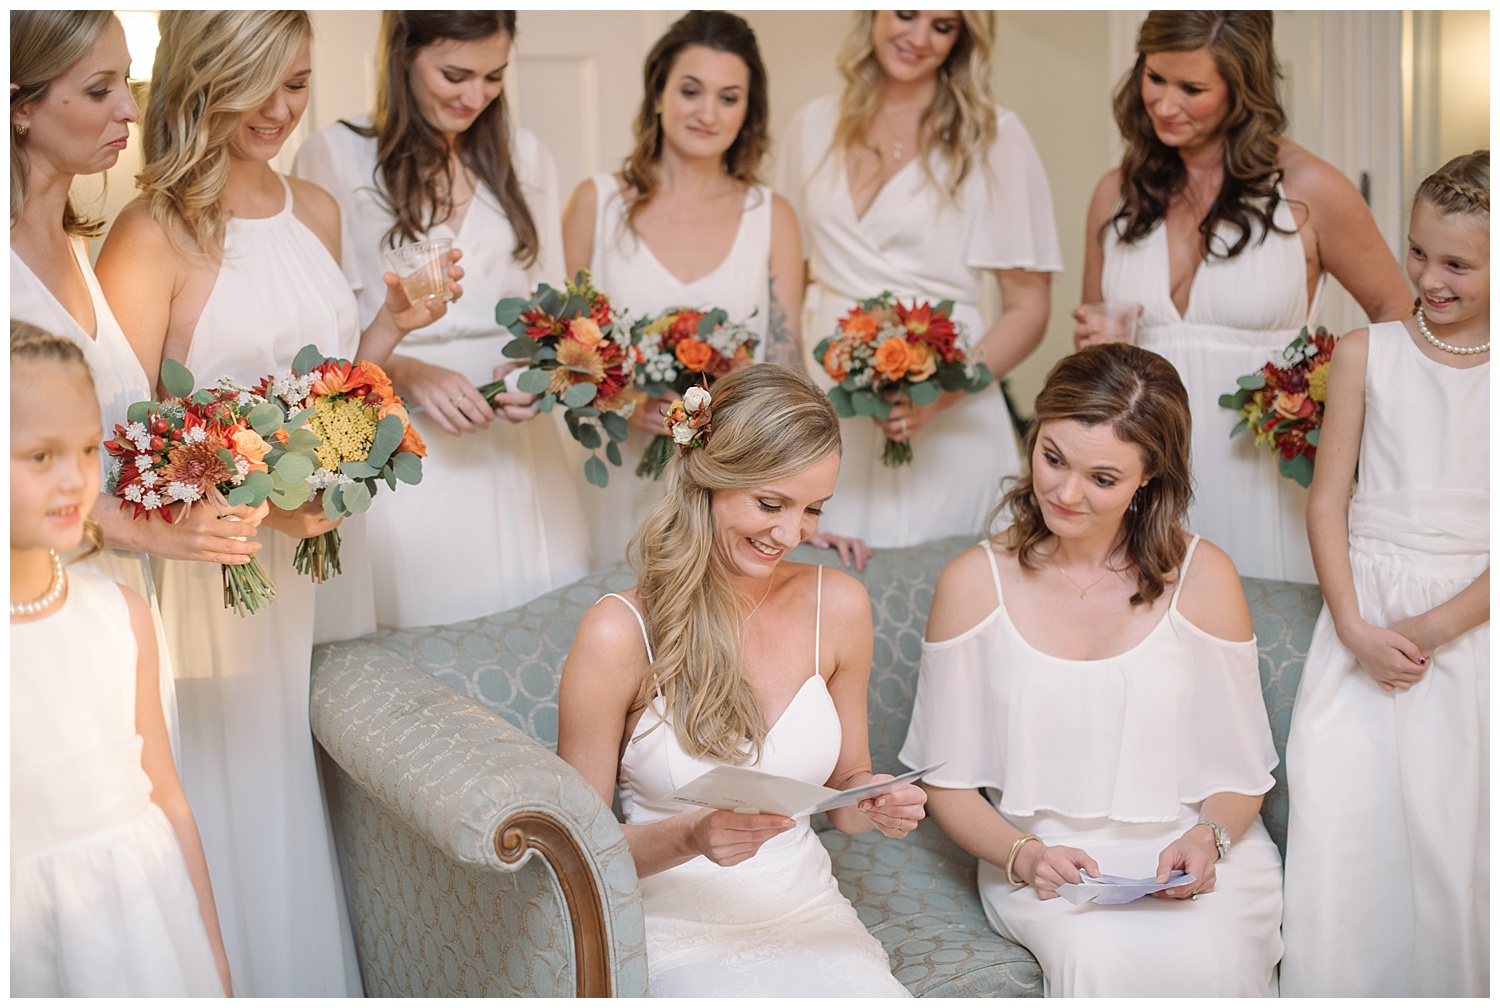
(1015, 849)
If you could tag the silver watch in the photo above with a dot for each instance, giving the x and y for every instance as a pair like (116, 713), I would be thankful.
(1221, 837)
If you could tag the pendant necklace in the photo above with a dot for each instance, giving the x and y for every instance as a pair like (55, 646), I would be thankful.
(1083, 591)
(54, 591)
(1462, 351)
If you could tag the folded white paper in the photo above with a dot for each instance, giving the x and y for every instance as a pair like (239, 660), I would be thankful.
(741, 789)
(1114, 889)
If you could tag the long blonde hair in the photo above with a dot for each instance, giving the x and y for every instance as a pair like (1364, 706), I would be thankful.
(959, 124)
(44, 45)
(770, 422)
(212, 67)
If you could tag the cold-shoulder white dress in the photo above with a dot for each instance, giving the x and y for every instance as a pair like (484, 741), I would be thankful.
(920, 244)
(624, 268)
(1388, 855)
(1113, 756)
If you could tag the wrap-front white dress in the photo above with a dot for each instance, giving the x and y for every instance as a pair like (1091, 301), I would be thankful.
(1241, 312)
(1113, 756)
(1388, 854)
(624, 268)
(920, 244)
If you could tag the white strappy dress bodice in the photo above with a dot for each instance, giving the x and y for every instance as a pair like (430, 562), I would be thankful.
(775, 925)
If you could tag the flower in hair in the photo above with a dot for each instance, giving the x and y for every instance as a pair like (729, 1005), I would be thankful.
(690, 419)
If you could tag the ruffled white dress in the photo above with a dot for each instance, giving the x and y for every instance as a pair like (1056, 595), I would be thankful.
(496, 520)
(242, 682)
(775, 925)
(119, 381)
(1241, 313)
(101, 904)
(624, 268)
(1113, 756)
(916, 242)
(1387, 871)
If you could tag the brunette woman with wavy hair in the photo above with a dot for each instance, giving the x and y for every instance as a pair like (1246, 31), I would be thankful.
(1224, 230)
(686, 223)
(1090, 681)
(916, 182)
(725, 654)
(440, 158)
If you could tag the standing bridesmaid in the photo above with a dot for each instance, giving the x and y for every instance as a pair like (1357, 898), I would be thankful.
(229, 267)
(496, 520)
(916, 182)
(686, 223)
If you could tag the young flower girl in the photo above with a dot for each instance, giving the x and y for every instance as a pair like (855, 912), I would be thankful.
(109, 889)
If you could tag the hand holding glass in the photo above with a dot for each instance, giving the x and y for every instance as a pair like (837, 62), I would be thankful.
(1114, 321)
(423, 269)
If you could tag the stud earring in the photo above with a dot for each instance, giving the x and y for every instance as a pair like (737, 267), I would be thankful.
(21, 129)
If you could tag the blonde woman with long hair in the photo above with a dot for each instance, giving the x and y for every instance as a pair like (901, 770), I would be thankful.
(725, 654)
(227, 266)
(914, 181)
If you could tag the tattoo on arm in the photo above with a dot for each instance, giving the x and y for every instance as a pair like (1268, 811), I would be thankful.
(781, 346)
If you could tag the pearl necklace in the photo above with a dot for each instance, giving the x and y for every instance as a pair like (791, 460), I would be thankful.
(1463, 351)
(54, 591)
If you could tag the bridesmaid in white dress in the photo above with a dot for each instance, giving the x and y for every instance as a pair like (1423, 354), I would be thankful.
(496, 520)
(69, 117)
(724, 654)
(687, 224)
(231, 268)
(1089, 676)
(1228, 262)
(917, 183)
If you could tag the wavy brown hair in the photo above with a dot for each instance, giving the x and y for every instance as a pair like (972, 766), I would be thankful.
(1151, 173)
(414, 175)
(211, 68)
(959, 124)
(1138, 395)
(770, 422)
(44, 45)
(722, 32)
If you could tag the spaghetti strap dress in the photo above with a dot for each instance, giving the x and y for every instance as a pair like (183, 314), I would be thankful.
(119, 381)
(101, 903)
(1113, 756)
(624, 268)
(1389, 792)
(243, 682)
(1241, 313)
(775, 925)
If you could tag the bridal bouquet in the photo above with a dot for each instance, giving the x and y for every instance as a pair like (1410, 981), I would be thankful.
(582, 355)
(227, 445)
(884, 351)
(1283, 402)
(680, 349)
(363, 434)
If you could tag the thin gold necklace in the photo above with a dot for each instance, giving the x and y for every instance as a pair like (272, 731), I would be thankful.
(769, 583)
(1083, 592)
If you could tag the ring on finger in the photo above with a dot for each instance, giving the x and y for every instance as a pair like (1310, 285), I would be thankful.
(458, 402)
(902, 422)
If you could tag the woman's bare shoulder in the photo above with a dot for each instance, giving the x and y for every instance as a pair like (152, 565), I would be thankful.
(1212, 598)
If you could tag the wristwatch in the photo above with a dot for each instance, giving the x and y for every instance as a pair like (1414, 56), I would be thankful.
(1221, 837)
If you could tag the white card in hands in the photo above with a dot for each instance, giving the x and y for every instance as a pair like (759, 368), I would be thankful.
(1114, 889)
(741, 789)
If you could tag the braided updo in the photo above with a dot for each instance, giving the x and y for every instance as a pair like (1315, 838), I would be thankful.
(1460, 186)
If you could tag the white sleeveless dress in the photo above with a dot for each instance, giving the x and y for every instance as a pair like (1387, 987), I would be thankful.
(1241, 313)
(496, 520)
(1390, 791)
(242, 682)
(917, 243)
(119, 381)
(775, 925)
(1113, 756)
(101, 904)
(624, 268)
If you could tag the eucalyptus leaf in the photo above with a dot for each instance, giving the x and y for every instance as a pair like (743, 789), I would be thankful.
(544, 354)
(547, 402)
(580, 395)
(944, 307)
(612, 452)
(265, 418)
(388, 434)
(176, 379)
(843, 404)
(291, 496)
(302, 440)
(300, 419)
(549, 300)
(356, 498)
(1312, 436)
(708, 323)
(508, 311)
(616, 426)
(139, 412)
(572, 420)
(521, 348)
(1243, 425)
(865, 402)
(1299, 468)
(331, 509)
(405, 466)
(573, 308)
(1252, 382)
(596, 472)
(294, 467)
(256, 488)
(585, 411)
(588, 436)
(358, 470)
(821, 350)
(307, 359)
(925, 393)
(533, 381)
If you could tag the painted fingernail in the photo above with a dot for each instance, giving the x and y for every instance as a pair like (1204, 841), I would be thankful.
(1421, 661)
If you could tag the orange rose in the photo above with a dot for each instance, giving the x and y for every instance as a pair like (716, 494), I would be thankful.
(859, 327)
(586, 331)
(1294, 404)
(252, 446)
(836, 360)
(923, 361)
(893, 358)
(695, 354)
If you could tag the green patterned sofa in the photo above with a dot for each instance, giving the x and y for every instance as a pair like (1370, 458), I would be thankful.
(477, 863)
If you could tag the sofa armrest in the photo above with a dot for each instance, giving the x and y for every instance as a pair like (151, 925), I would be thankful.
(484, 795)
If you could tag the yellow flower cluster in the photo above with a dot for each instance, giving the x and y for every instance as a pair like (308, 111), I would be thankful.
(1317, 383)
(347, 427)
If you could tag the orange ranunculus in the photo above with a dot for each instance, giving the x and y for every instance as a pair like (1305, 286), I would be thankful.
(685, 324)
(836, 360)
(923, 361)
(859, 326)
(1292, 405)
(252, 446)
(694, 354)
(893, 357)
(586, 331)
(370, 380)
(333, 378)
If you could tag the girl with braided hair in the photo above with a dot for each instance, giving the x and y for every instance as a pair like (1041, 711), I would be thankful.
(1387, 870)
